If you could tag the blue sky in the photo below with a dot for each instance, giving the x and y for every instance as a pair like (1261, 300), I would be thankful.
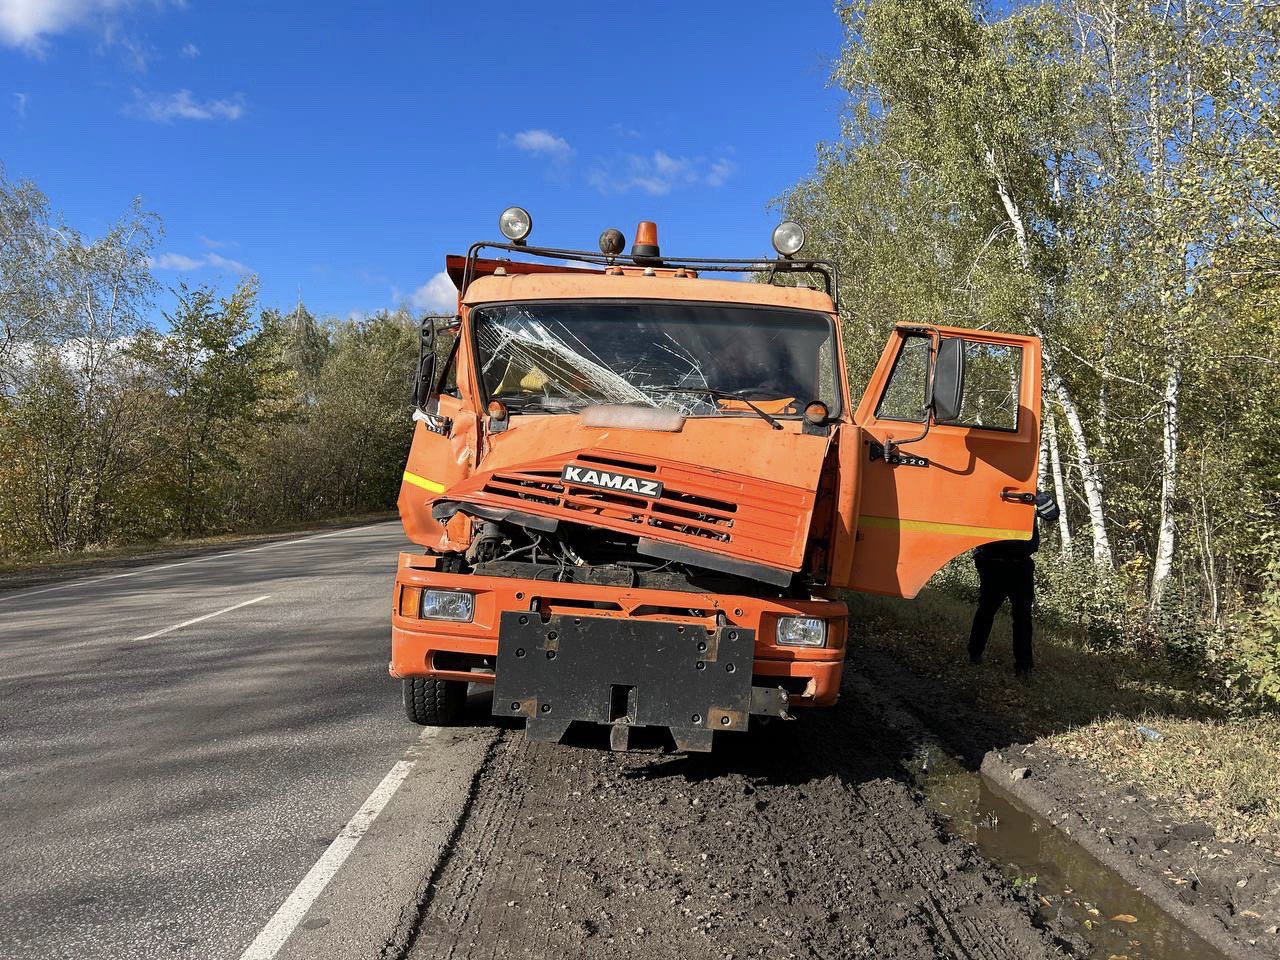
(342, 149)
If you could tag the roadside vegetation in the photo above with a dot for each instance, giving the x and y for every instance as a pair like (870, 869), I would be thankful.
(1103, 175)
(223, 416)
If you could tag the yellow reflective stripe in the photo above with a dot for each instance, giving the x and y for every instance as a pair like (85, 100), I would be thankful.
(423, 482)
(950, 529)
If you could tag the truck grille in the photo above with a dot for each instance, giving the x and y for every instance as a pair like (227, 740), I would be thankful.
(740, 516)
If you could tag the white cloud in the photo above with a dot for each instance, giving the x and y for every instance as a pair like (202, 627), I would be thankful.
(190, 51)
(167, 107)
(225, 263)
(212, 244)
(542, 142)
(184, 264)
(659, 173)
(438, 294)
(720, 172)
(29, 23)
(135, 53)
(175, 261)
(20, 105)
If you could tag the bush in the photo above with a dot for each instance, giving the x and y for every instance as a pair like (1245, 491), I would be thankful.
(1182, 630)
(1256, 654)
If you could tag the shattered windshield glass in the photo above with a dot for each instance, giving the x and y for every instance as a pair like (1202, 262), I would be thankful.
(702, 359)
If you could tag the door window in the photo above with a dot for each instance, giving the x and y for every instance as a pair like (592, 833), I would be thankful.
(992, 385)
(903, 397)
(447, 359)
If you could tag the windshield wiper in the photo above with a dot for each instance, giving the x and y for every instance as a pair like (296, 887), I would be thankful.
(724, 395)
(520, 404)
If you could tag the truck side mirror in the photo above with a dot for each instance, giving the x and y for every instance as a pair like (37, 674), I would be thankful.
(425, 377)
(426, 380)
(946, 389)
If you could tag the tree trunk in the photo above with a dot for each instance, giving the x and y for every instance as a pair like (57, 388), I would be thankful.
(1059, 488)
(1088, 473)
(1042, 469)
(1088, 469)
(1168, 484)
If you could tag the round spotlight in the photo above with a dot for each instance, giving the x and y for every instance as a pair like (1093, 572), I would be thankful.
(515, 224)
(788, 238)
(497, 410)
(817, 413)
(612, 241)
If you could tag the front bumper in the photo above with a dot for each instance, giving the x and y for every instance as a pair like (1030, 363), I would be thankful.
(469, 651)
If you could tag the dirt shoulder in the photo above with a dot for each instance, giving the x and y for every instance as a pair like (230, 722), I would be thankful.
(802, 840)
(1138, 766)
(31, 572)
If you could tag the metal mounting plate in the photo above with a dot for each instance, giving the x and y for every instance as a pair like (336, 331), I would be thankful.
(631, 672)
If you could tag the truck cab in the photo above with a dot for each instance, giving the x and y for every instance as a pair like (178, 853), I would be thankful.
(640, 489)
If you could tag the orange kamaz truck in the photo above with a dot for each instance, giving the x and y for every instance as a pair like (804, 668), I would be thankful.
(641, 485)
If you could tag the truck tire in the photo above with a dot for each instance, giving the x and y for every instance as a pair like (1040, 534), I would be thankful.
(433, 703)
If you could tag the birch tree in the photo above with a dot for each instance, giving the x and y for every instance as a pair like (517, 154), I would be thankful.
(974, 112)
(1103, 174)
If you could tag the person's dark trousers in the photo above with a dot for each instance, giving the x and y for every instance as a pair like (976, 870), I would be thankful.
(998, 580)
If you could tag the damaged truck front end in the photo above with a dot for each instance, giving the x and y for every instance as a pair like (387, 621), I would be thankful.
(560, 651)
(638, 491)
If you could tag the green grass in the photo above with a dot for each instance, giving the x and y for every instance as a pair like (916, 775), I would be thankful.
(1210, 764)
(1224, 772)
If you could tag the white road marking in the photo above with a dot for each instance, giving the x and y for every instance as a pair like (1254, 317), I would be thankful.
(207, 616)
(183, 563)
(285, 920)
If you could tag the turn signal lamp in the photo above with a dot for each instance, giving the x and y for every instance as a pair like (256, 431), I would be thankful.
(515, 224)
(497, 409)
(788, 238)
(817, 413)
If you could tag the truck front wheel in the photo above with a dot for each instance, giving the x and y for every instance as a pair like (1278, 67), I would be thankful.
(432, 702)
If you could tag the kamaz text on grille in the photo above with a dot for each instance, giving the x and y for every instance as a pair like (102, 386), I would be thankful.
(603, 479)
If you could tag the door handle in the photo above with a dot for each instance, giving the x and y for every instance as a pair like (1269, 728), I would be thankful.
(1010, 496)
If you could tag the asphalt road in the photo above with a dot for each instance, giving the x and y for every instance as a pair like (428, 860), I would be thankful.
(165, 784)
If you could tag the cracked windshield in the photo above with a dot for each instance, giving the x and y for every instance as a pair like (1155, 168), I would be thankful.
(699, 359)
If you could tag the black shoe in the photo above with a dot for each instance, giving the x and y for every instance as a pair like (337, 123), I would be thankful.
(975, 659)
(1023, 674)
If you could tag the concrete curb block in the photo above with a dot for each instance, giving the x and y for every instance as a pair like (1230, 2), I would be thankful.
(1013, 783)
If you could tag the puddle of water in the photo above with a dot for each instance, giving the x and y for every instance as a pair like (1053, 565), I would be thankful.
(1070, 883)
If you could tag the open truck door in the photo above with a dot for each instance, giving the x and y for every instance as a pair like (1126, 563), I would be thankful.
(950, 439)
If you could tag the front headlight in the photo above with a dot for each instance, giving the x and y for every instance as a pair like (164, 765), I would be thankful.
(801, 632)
(448, 605)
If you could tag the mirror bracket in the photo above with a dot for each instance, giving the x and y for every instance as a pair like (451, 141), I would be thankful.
(889, 454)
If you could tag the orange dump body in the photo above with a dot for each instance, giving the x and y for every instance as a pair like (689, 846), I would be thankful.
(767, 521)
